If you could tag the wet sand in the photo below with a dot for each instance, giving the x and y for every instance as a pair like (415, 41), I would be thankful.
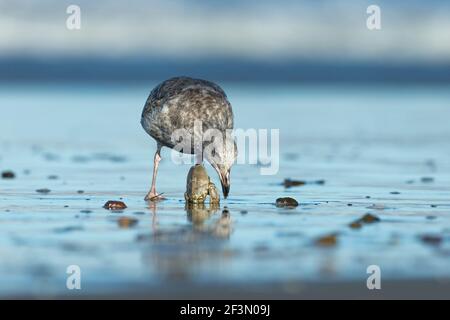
(380, 151)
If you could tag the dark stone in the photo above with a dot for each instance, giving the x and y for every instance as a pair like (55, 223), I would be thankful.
(8, 175)
(286, 202)
(43, 190)
(114, 205)
(369, 218)
(327, 240)
(431, 239)
(293, 183)
(355, 225)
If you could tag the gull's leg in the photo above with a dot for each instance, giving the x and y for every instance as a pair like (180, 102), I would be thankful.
(152, 195)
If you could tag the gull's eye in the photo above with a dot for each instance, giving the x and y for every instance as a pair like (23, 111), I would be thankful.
(213, 152)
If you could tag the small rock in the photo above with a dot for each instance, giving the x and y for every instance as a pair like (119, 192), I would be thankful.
(286, 202)
(80, 191)
(366, 219)
(395, 192)
(244, 212)
(115, 205)
(43, 190)
(355, 225)
(430, 239)
(327, 241)
(293, 183)
(8, 175)
(433, 206)
(126, 222)
(427, 179)
(53, 177)
(369, 218)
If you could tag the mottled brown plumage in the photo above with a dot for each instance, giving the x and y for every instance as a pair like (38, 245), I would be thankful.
(176, 104)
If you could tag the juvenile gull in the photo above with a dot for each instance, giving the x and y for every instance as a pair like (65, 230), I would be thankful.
(180, 102)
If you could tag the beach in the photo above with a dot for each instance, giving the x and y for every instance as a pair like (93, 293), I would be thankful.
(356, 149)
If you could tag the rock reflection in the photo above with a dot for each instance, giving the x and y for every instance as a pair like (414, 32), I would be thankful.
(199, 214)
(180, 252)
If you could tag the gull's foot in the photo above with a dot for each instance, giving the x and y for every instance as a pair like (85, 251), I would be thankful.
(153, 196)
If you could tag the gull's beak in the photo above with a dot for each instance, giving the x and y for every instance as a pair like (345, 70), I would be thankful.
(225, 181)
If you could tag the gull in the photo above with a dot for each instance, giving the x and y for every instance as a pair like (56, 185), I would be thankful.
(181, 103)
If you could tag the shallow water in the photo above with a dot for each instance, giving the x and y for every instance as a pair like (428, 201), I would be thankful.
(362, 141)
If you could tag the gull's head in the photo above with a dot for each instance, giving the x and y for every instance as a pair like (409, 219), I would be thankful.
(222, 159)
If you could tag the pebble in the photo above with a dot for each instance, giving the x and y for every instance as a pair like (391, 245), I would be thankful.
(327, 240)
(43, 190)
(366, 219)
(286, 202)
(433, 240)
(293, 183)
(8, 175)
(369, 218)
(114, 205)
(355, 225)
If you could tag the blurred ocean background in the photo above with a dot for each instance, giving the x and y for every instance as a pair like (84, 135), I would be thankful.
(251, 41)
